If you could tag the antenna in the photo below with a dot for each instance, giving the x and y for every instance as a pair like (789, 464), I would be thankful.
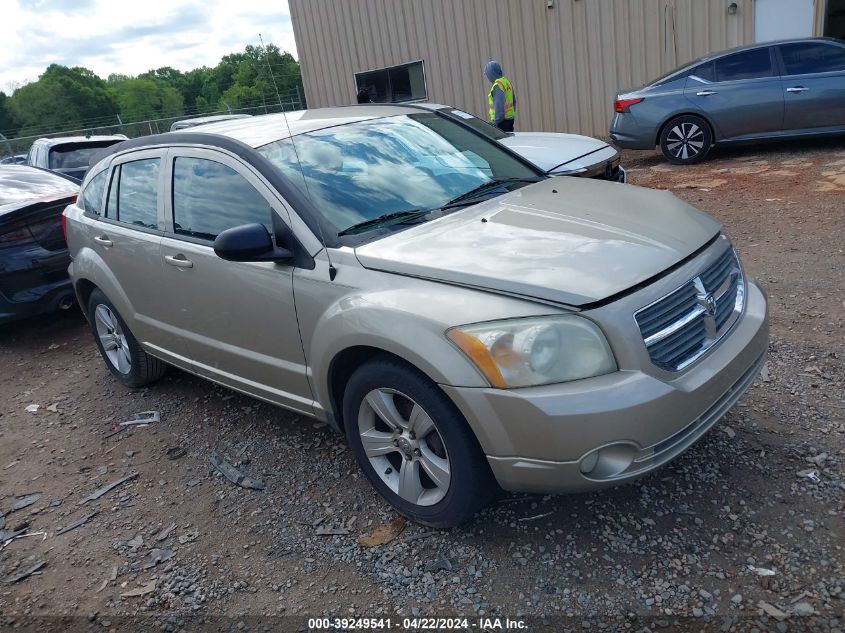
(332, 269)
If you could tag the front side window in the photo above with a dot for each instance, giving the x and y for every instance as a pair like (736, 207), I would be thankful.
(91, 199)
(395, 84)
(209, 197)
(360, 171)
(751, 64)
(133, 195)
(812, 57)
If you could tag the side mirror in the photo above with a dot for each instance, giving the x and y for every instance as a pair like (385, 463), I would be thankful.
(249, 243)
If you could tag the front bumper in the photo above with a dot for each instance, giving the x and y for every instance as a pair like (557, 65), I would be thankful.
(619, 426)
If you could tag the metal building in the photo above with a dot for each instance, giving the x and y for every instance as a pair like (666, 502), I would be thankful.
(566, 58)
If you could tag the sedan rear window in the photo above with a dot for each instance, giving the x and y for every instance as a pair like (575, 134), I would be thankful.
(812, 57)
(751, 64)
(74, 156)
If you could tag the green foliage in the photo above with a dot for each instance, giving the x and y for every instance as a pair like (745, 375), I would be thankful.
(75, 98)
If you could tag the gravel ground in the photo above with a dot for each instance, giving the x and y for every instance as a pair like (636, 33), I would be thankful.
(743, 532)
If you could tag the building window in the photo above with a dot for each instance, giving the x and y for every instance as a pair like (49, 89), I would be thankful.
(395, 84)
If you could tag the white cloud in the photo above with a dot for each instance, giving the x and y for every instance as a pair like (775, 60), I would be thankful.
(131, 38)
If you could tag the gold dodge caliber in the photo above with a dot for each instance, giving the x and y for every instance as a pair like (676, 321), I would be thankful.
(467, 322)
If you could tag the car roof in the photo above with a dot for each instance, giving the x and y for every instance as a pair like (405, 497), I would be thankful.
(266, 128)
(66, 140)
(202, 120)
(749, 47)
(21, 185)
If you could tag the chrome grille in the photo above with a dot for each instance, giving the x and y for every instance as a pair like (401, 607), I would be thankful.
(678, 328)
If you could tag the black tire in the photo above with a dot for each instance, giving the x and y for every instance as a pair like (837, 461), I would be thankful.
(143, 368)
(471, 484)
(686, 139)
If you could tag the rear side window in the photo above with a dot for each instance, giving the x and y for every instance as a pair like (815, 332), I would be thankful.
(133, 195)
(751, 64)
(812, 57)
(91, 199)
(704, 71)
(209, 197)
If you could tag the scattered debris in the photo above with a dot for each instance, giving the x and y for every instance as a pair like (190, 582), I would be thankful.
(233, 474)
(536, 516)
(99, 492)
(384, 533)
(818, 460)
(331, 531)
(729, 431)
(193, 482)
(20, 534)
(158, 556)
(189, 537)
(24, 502)
(772, 610)
(53, 408)
(764, 373)
(144, 418)
(143, 590)
(165, 532)
(102, 586)
(176, 452)
(136, 542)
(803, 609)
(441, 563)
(33, 408)
(12, 463)
(761, 571)
(79, 522)
(27, 573)
(810, 474)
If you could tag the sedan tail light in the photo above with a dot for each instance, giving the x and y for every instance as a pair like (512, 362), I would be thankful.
(624, 105)
(64, 224)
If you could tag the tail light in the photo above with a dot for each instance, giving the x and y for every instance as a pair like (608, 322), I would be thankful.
(64, 224)
(16, 235)
(624, 105)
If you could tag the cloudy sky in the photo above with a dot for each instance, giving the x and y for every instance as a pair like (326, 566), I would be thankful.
(117, 36)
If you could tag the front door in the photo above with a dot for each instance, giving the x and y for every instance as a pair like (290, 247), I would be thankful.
(813, 84)
(740, 93)
(238, 318)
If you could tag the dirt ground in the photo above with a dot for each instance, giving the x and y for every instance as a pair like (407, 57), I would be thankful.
(743, 532)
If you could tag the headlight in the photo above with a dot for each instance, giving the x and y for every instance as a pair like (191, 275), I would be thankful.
(535, 351)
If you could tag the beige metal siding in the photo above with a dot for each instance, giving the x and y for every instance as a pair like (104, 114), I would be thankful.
(566, 62)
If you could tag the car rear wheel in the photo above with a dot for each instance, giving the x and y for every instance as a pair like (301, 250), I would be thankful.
(686, 139)
(124, 357)
(414, 446)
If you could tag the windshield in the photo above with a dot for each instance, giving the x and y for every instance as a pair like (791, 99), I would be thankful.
(75, 156)
(364, 170)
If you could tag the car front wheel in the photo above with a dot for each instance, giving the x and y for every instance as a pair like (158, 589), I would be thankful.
(686, 139)
(414, 446)
(124, 357)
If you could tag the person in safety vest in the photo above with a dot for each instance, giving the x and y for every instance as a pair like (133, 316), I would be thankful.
(501, 99)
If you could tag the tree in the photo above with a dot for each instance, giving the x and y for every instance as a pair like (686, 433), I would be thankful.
(62, 98)
(141, 99)
(7, 121)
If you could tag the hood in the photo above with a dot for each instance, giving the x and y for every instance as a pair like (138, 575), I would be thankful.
(493, 70)
(561, 152)
(572, 241)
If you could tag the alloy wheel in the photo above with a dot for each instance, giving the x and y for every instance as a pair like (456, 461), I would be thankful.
(112, 338)
(685, 141)
(404, 446)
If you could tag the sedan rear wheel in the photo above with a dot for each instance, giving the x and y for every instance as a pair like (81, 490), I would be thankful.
(686, 139)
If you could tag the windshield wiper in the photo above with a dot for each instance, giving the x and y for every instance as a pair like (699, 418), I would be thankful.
(480, 190)
(395, 217)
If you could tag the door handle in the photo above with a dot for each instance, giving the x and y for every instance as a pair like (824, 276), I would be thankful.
(797, 89)
(102, 239)
(179, 261)
(705, 93)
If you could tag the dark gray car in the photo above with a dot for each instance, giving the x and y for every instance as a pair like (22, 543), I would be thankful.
(774, 90)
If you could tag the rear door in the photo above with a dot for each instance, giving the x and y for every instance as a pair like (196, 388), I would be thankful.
(238, 318)
(813, 83)
(740, 93)
(127, 238)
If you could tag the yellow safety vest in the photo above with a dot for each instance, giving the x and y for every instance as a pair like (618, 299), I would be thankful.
(507, 87)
